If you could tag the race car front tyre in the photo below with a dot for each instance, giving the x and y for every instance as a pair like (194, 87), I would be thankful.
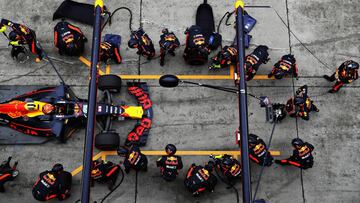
(110, 82)
(107, 141)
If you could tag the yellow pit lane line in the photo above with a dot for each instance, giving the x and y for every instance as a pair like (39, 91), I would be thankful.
(79, 169)
(182, 77)
(104, 154)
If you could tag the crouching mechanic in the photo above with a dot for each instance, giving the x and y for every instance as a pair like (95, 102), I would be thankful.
(22, 35)
(110, 49)
(105, 172)
(69, 39)
(168, 43)
(141, 41)
(301, 105)
(196, 49)
(200, 179)
(286, 66)
(345, 74)
(225, 58)
(134, 159)
(253, 61)
(258, 151)
(170, 164)
(53, 184)
(302, 155)
(7, 173)
(229, 167)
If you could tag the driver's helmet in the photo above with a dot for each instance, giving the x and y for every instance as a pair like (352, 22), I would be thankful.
(48, 108)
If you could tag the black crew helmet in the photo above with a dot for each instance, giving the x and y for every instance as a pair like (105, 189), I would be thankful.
(253, 139)
(297, 142)
(289, 58)
(165, 31)
(122, 151)
(352, 65)
(57, 168)
(13, 36)
(279, 75)
(71, 49)
(227, 161)
(210, 166)
(170, 149)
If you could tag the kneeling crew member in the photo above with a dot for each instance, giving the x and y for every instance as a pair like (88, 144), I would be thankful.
(200, 179)
(225, 58)
(170, 164)
(69, 39)
(301, 105)
(110, 49)
(302, 155)
(345, 74)
(286, 66)
(53, 184)
(168, 43)
(253, 61)
(134, 159)
(229, 167)
(7, 173)
(24, 35)
(105, 172)
(258, 152)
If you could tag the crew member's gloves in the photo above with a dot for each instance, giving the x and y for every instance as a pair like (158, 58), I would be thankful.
(278, 162)
(14, 43)
(2, 28)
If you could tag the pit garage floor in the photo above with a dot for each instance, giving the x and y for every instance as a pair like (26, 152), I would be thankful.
(198, 119)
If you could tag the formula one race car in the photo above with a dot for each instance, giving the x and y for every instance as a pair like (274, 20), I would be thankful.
(57, 112)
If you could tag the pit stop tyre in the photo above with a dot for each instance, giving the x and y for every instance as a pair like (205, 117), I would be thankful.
(107, 141)
(110, 82)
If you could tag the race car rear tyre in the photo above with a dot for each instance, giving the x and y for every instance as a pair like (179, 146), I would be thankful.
(110, 82)
(107, 141)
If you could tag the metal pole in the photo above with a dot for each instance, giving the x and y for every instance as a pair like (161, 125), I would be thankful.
(91, 113)
(243, 110)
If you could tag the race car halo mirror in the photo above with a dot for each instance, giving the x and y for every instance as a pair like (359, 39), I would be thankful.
(169, 81)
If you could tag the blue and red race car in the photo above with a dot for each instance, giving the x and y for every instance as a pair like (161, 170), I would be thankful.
(58, 112)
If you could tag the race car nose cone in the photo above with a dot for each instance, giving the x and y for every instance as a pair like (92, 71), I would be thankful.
(169, 81)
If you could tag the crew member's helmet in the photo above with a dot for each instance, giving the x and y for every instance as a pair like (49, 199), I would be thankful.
(57, 168)
(279, 75)
(170, 149)
(253, 139)
(227, 162)
(352, 65)
(122, 151)
(297, 142)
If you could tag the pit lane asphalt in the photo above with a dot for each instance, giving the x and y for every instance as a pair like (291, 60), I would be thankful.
(195, 118)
